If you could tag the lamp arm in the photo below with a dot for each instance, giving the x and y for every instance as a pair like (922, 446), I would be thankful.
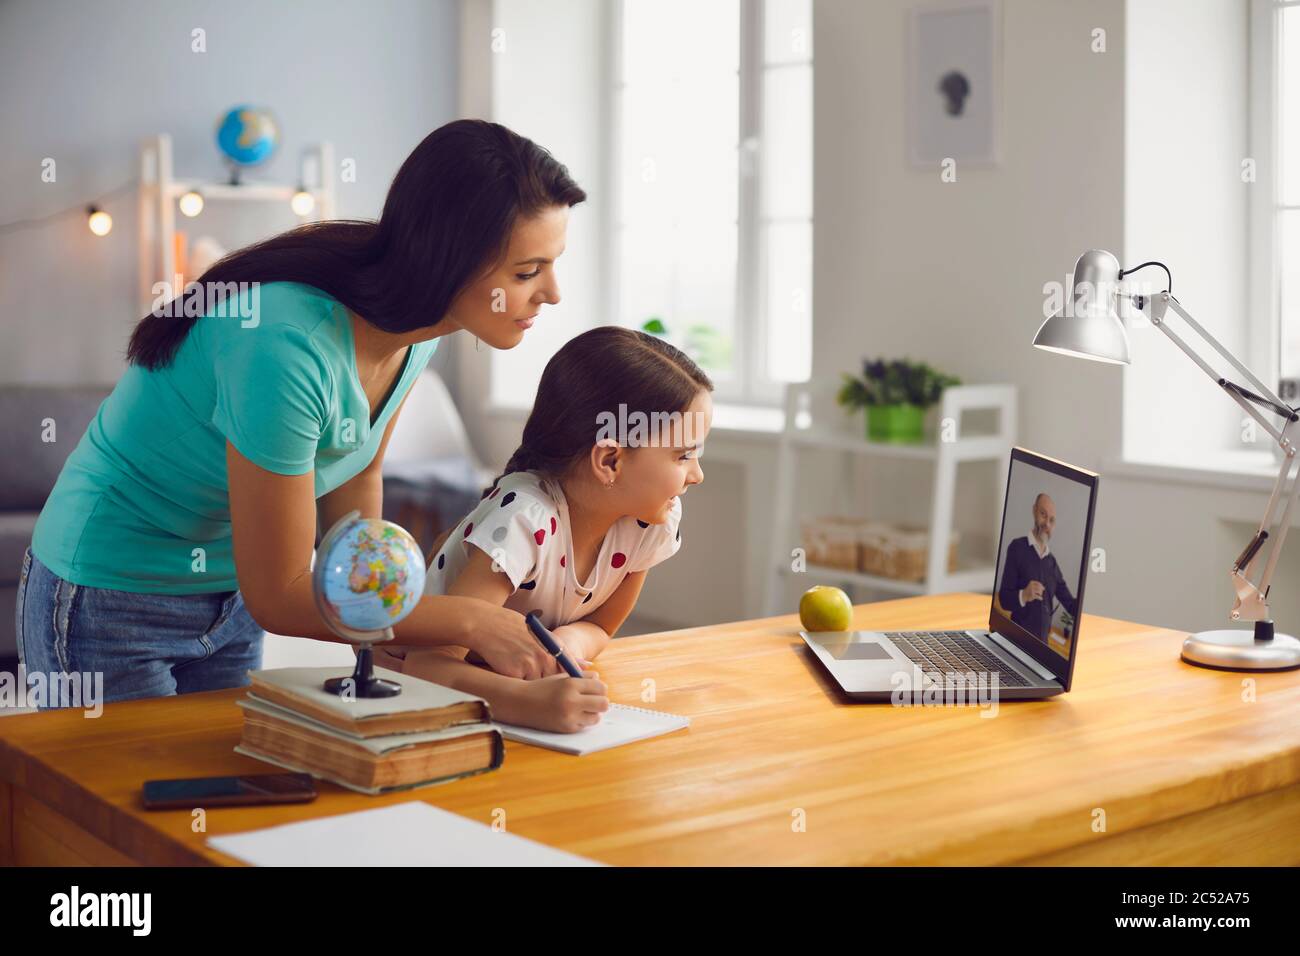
(1288, 414)
(1252, 599)
(1164, 298)
(1275, 551)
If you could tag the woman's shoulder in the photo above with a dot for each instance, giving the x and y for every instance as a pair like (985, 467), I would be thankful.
(293, 305)
(268, 308)
(276, 320)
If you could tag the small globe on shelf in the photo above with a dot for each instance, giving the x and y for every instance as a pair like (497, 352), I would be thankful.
(369, 575)
(247, 136)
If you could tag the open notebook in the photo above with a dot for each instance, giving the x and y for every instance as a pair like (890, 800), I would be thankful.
(619, 725)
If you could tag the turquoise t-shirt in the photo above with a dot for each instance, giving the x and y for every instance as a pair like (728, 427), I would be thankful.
(145, 489)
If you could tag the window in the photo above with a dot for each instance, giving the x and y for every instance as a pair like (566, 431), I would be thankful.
(1287, 208)
(1275, 210)
(712, 226)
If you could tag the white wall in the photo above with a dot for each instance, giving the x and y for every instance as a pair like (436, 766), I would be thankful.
(1186, 205)
(953, 272)
(84, 82)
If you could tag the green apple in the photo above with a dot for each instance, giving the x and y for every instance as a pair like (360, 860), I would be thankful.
(825, 608)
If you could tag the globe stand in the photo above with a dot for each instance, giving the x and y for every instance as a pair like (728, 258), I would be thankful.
(363, 682)
(236, 171)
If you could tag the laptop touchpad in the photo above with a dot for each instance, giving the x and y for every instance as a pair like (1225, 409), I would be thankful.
(860, 651)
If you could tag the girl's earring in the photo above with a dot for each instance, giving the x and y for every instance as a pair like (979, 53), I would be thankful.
(476, 343)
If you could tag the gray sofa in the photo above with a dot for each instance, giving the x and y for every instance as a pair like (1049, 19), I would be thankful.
(29, 467)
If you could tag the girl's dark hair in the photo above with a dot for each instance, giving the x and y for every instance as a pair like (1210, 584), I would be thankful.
(447, 220)
(592, 375)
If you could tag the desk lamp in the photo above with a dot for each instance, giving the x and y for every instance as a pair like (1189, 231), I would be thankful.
(1089, 326)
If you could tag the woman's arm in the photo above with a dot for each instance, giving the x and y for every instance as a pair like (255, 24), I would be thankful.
(273, 524)
(363, 492)
(442, 665)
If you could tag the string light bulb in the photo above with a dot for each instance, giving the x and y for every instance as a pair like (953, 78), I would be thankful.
(191, 203)
(100, 222)
(302, 203)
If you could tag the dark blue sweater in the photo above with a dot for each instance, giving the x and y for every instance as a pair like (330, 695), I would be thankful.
(1024, 565)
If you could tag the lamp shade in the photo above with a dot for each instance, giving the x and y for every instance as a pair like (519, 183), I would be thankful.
(1088, 326)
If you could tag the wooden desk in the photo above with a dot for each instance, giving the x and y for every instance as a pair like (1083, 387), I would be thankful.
(1184, 769)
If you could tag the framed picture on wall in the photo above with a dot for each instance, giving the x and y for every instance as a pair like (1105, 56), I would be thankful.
(954, 80)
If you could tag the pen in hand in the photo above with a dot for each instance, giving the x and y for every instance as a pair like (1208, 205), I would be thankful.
(547, 640)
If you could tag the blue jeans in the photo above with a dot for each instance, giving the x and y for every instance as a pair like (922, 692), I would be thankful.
(145, 645)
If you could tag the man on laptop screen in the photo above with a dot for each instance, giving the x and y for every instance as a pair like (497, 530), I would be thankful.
(1032, 583)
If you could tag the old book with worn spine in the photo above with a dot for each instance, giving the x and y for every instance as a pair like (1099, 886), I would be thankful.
(441, 734)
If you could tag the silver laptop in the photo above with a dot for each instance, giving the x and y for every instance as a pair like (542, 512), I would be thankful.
(1032, 639)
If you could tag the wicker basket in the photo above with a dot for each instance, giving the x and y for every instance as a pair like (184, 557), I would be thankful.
(832, 541)
(899, 552)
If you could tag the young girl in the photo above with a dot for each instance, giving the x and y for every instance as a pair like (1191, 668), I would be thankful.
(588, 503)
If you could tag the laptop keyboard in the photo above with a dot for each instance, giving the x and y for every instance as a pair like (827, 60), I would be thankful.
(952, 653)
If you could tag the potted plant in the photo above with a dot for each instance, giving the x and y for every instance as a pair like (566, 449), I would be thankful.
(895, 395)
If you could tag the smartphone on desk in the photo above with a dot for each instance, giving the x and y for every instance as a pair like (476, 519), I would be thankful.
(228, 791)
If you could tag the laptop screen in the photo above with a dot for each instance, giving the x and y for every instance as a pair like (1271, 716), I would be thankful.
(1043, 558)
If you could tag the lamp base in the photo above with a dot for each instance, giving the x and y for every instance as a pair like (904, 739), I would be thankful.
(1239, 650)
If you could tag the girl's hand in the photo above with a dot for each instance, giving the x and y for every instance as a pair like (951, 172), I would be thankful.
(572, 645)
(503, 640)
(560, 704)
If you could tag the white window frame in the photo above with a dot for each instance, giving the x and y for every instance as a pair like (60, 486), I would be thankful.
(1264, 327)
(751, 384)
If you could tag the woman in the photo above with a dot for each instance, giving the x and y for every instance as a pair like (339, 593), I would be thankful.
(184, 522)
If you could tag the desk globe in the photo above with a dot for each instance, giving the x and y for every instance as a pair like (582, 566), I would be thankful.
(369, 575)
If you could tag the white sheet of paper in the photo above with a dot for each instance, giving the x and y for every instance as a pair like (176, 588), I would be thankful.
(405, 834)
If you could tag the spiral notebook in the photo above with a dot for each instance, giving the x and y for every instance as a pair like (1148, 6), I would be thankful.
(619, 725)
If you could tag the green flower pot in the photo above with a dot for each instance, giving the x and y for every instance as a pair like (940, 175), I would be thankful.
(899, 424)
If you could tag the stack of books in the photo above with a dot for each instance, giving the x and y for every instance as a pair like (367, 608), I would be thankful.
(426, 734)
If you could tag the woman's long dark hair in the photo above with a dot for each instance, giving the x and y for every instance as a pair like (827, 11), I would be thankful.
(591, 375)
(447, 220)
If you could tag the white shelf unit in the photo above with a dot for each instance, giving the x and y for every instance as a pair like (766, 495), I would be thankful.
(801, 432)
(159, 191)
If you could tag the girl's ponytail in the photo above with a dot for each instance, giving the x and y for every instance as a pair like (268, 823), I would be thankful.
(521, 460)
